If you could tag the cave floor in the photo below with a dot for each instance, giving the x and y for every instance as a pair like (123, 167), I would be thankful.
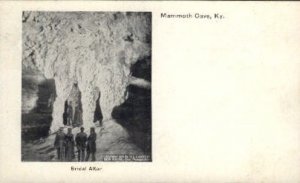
(112, 139)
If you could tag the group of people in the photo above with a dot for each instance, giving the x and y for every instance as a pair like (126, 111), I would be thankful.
(72, 117)
(65, 145)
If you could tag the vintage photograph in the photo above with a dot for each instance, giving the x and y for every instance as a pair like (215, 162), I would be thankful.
(86, 86)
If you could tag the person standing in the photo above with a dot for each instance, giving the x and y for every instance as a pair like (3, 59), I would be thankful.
(98, 113)
(70, 114)
(65, 114)
(69, 145)
(59, 144)
(77, 116)
(81, 139)
(91, 145)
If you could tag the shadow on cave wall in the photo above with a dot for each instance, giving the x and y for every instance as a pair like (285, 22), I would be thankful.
(36, 124)
(135, 113)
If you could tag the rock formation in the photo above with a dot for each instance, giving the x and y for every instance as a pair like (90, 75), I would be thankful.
(94, 50)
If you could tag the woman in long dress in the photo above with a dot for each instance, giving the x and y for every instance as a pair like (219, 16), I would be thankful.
(69, 139)
(98, 113)
(65, 114)
(70, 114)
(77, 116)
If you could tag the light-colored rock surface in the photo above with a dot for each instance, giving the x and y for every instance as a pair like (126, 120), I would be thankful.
(94, 49)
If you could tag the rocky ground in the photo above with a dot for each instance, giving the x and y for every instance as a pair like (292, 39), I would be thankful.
(111, 139)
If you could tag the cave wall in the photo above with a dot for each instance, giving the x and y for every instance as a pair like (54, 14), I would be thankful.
(38, 95)
(96, 50)
(134, 114)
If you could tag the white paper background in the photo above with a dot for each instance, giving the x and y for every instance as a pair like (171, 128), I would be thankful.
(225, 95)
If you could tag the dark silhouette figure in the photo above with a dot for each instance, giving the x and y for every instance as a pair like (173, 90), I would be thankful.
(98, 113)
(81, 139)
(91, 145)
(69, 140)
(59, 144)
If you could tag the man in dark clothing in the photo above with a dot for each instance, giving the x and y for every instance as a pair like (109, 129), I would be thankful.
(91, 145)
(59, 144)
(81, 139)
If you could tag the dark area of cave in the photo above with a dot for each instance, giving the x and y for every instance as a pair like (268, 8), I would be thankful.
(142, 69)
(135, 113)
(36, 124)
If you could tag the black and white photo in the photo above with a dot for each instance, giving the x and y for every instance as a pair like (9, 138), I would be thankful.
(86, 86)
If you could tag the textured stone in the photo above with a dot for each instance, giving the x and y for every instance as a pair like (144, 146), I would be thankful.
(96, 50)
